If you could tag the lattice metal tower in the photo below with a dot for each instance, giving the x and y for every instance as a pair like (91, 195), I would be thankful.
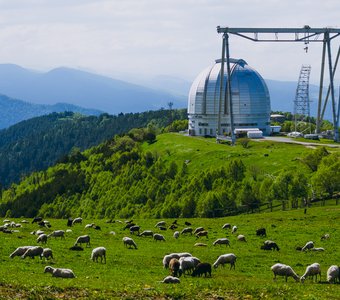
(301, 102)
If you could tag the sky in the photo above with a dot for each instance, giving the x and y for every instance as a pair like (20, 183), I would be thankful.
(145, 38)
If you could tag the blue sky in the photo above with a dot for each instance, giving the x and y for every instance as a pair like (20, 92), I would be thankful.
(122, 38)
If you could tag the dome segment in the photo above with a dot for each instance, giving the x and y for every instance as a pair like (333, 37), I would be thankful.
(250, 100)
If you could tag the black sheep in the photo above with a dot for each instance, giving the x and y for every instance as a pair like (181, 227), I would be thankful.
(270, 245)
(202, 268)
(261, 232)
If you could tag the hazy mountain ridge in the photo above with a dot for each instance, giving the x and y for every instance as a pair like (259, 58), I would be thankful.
(83, 89)
(13, 111)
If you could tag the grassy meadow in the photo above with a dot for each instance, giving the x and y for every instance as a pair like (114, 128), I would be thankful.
(135, 274)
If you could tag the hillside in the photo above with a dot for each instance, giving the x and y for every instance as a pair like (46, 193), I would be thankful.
(38, 143)
(83, 89)
(13, 111)
(174, 176)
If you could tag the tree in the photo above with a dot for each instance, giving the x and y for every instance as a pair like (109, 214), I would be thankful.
(236, 170)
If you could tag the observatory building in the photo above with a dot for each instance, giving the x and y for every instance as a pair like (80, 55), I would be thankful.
(250, 101)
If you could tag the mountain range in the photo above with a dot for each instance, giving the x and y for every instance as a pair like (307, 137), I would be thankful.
(95, 93)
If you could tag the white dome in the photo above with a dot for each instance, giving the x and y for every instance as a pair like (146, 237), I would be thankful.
(250, 100)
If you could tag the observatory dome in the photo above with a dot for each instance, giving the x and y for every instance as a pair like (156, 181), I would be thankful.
(250, 100)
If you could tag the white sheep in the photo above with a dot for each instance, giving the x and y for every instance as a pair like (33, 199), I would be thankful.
(77, 221)
(158, 237)
(47, 253)
(146, 233)
(326, 236)
(284, 270)
(19, 251)
(83, 239)
(226, 226)
(176, 234)
(170, 279)
(309, 245)
(33, 252)
(311, 270)
(187, 264)
(58, 272)
(229, 258)
(129, 242)
(160, 223)
(58, 233)
(42, 238)
(234, 229)
(333, 274)
(200, 245)
(241, 238)
(186, 230)
(318, 249)
(89, 225)
(99, 252)
(222, 241)
(168, 257)
(198, 229)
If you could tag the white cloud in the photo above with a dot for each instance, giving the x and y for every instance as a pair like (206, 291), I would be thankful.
(176, 37)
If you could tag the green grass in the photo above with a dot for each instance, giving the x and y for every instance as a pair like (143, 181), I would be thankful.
(135, 274)
(205, 152)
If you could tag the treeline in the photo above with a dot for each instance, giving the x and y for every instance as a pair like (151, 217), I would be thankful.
(38, 143)
(120, 179)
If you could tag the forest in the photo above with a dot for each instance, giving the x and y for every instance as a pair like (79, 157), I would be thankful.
(38, 143)
(142, 174)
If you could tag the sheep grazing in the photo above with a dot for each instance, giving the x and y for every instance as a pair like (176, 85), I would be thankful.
(333, 274)
(147, 233)
(222, 241)
(99, 252)
(47, 253)
(33, 252)
(241, 238)
(234, 229)
(226, 226)
(326, 236)
(160, 223)
(162, 228)
(200, 245)
(173, 226)
(128, 225)
(261, 232)
(187, 230)
(168, 257)
(89, 225)
(308, 246)
(187, 223)
(170, 279)
(318, 249)
(76, 248)
(129, 242)
(311, 271)
(37, 219)
(198, 229)
(187, 264)
(69, 222)
(83, 239)
(42, 238)
(202, 233)
(229, 258)
(58, 272)
(134, 229)
(202, 268)
(174, 267)
(24, 221)
(176, 234)
(158, 237)
(58, 233)
(270, 245)
(19, 251)
(44, 224)
(77, 221)
(284, 270)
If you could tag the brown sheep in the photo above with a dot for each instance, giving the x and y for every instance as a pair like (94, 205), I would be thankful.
(174, 265)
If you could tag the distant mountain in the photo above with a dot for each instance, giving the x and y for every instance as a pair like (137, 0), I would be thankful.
(83, 89)
(13, 111)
